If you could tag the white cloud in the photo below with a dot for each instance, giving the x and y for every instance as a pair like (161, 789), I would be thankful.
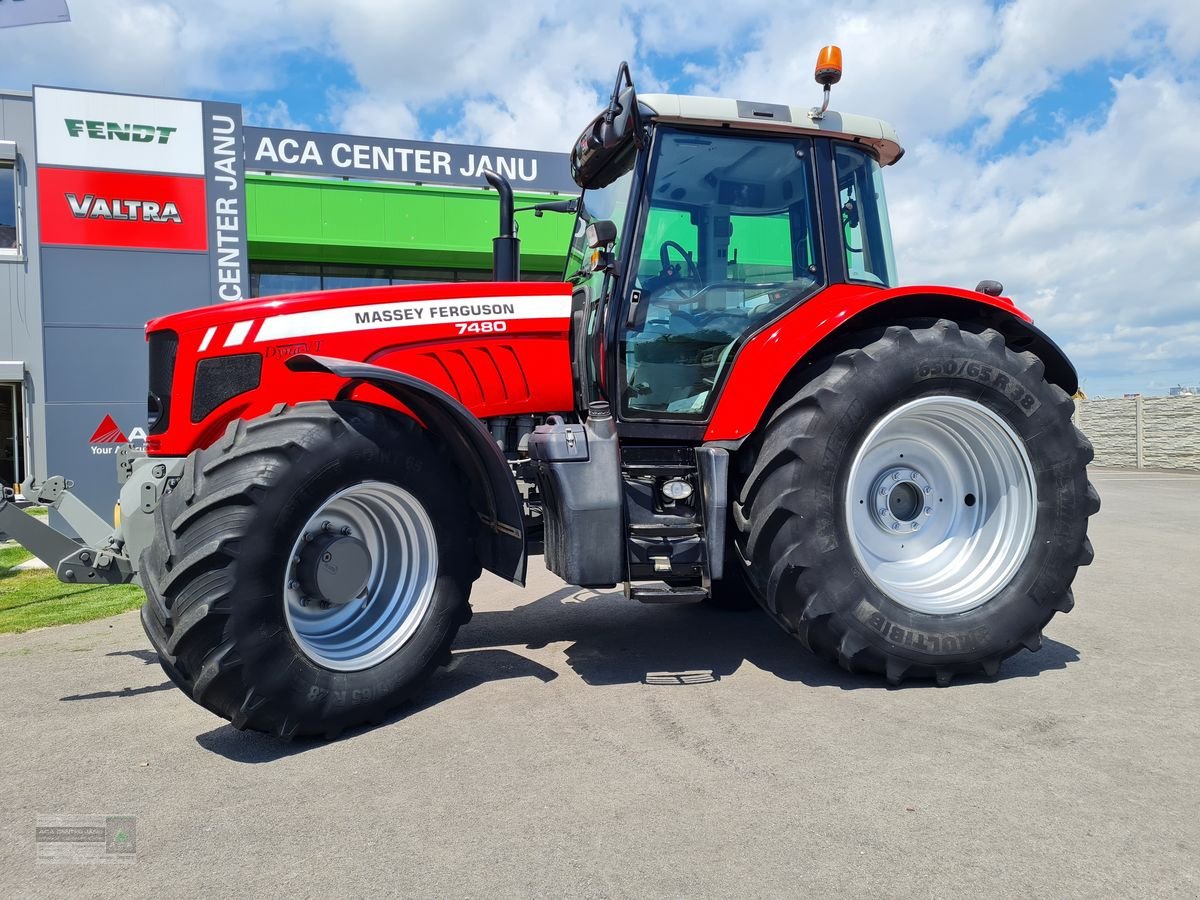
(272, 115)
(373, 115)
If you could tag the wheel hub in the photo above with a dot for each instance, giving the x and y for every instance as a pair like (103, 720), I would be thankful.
(899, 499)
(361, 576)
(334, 568)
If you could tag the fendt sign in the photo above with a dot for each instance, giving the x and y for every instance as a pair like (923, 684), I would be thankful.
(90, 130)
(112, 131)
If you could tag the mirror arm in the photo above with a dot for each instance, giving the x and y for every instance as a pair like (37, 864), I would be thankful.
(610, 114)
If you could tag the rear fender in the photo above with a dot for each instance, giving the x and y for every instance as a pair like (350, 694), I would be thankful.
(493, 491)
(822, 325)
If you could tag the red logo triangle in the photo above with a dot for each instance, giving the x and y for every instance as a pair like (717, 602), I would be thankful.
(109, 432)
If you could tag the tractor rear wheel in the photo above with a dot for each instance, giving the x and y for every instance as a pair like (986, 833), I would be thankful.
(310, 569)
(919, 507)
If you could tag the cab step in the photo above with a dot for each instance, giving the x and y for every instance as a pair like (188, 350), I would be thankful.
(666, 594)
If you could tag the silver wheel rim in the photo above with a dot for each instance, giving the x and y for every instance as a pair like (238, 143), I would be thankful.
(401, 575)
(941, 504)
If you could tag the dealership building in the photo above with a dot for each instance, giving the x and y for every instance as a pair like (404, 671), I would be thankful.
(116, 209)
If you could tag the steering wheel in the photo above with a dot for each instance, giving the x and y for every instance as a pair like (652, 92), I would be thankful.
(664, 258)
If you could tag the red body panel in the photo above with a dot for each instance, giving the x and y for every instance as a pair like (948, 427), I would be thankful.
(766, 359)
(500, 348)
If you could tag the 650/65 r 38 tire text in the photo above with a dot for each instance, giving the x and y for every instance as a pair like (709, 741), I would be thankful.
(310, 569)
(919, 507)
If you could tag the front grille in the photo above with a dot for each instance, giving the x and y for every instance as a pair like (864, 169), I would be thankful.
(222, 378)
(163, 347)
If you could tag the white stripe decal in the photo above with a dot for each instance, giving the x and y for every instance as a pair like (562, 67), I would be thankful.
(208, 336)
(416, 312)
(238, 333)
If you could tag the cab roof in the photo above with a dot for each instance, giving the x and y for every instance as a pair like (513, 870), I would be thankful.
(685, 109)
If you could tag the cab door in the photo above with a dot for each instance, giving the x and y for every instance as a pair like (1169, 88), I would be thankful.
(729, 242)
(593, 291)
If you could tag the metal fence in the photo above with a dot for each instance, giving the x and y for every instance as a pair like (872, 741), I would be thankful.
(1143, 432)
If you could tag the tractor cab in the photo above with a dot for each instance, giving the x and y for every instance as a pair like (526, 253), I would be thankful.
(703, 221)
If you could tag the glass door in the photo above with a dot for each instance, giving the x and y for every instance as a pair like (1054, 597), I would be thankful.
(11, 469)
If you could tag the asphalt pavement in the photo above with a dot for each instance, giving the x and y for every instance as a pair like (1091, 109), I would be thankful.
(587, 746)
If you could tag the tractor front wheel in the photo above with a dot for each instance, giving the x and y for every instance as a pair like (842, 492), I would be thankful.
(919, 507)
(310, 569)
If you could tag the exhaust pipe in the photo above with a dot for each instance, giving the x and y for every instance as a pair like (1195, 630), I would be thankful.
(506, 249)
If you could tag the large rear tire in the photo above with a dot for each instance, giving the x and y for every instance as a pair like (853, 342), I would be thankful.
(310, 570)
(919, 507)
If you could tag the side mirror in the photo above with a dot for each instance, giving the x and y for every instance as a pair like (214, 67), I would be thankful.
(603, 151)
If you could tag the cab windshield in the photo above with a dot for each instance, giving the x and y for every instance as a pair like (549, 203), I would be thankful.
(730, 239)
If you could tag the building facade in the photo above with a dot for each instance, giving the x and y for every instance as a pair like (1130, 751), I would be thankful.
(116, 209)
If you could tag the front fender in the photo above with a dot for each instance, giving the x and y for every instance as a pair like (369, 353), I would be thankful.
(494, 495)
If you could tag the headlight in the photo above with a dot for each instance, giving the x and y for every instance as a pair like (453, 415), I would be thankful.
(676, 489)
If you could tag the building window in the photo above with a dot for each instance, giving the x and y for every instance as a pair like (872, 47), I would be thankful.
(270, 278)
(10, 243)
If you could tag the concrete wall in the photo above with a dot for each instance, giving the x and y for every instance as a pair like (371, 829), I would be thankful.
(1147, 432)
(20, 282)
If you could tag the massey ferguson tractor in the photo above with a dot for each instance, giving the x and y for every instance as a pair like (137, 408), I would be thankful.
(730, 400)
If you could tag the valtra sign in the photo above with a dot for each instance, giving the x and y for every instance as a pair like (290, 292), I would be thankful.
(122, 209)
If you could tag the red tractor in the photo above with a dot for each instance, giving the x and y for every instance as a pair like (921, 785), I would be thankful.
(729, 400)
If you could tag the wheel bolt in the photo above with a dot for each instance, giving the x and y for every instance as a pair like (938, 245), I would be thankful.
(325, 604)
(929, 510)
(895, 526)
(304, 601)
(895, 476)
(295, 560)
(916, 525)
(307, 538)
(928, 489)
(327, 526)
(293, 585)
(345, 530)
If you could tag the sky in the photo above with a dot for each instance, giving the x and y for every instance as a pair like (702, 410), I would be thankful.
(1051, 144)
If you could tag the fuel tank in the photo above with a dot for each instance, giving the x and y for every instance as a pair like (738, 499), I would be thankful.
(499, 348)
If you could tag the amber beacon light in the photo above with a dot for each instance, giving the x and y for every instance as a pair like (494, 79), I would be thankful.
(829, 65)
(827, 73)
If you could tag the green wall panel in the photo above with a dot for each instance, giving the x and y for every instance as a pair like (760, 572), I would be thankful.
(317, 220)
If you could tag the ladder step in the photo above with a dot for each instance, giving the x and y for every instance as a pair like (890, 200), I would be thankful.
(668, 594)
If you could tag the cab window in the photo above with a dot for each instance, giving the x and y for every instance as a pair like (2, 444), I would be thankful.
(866, 233)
